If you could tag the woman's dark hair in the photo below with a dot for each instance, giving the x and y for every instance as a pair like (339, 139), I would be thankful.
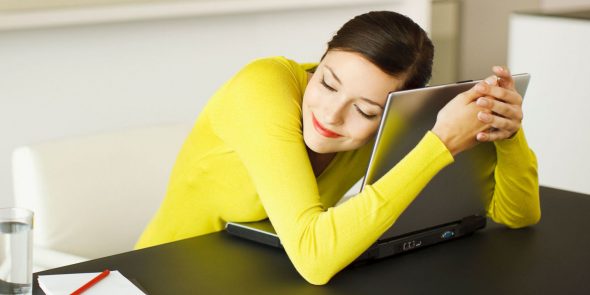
(392, 42)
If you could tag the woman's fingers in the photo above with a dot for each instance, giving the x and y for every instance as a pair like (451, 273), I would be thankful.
(491, 80)
(501, 108)
(498, 122)
(500, 105)
(493, 135)
(498, 108)
(503, 94)
(470, 95)
(504, 77)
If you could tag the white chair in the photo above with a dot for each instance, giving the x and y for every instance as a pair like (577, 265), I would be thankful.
(93, 195)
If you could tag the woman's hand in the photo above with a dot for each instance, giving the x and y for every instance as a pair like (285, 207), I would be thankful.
(504, 107)
(456, 123)
(490, 111)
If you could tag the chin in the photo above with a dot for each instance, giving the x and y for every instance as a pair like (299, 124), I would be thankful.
(318, 147)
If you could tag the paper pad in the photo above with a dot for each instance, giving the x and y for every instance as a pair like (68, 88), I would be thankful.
(64, 284)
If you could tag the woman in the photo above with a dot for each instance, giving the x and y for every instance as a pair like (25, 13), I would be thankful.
(284, 140)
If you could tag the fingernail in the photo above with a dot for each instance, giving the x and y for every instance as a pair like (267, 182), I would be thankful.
(481, 136)
(484, 117)
(480, 87)
(482, 102)
(498, 68)
(491, 80)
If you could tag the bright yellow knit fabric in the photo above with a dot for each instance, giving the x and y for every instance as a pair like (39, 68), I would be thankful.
(246, 160)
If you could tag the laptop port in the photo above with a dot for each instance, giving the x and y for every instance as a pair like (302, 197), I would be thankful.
(447, 234)
(411, 245)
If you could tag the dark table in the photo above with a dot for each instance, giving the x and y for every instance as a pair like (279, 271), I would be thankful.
(552, 257)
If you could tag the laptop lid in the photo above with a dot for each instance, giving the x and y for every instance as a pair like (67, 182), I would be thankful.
(461, 189)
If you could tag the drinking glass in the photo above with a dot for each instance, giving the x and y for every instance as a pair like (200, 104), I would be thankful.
(16, 251)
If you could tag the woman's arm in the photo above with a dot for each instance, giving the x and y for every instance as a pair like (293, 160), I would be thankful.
(515, 201)
(258, 116)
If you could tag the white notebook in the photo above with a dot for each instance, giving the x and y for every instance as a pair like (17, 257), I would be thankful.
(64, 284)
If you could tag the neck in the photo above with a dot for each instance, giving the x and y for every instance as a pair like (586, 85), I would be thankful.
(319, 162)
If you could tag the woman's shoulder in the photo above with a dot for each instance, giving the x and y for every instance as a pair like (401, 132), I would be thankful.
(270, 87)
(276, 67)
(270, 81)
(278, 62)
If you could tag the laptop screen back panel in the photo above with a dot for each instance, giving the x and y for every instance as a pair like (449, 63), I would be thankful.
(461, 189)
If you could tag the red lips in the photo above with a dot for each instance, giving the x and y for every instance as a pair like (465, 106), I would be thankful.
(323, 130)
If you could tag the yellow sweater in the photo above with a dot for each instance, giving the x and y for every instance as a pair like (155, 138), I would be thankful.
(245, 160)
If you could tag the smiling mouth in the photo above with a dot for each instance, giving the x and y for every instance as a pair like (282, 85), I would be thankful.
(323, 130)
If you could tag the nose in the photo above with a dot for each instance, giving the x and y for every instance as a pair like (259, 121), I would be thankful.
(334, 112)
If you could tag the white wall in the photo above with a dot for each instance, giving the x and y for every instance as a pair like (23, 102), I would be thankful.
(556, 53)
(75, 80)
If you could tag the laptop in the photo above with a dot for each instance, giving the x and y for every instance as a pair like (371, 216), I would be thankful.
(453, 203)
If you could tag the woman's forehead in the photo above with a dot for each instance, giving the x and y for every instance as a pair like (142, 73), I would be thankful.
(358, 75)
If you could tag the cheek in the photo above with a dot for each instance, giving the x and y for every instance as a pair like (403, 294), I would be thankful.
(308, 105)
(311, 98)
(363, 131)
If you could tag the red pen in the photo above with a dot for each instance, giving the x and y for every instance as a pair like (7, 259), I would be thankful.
(91, 283)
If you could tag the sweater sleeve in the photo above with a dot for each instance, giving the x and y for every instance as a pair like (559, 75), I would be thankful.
(515, 201)
(258, 116)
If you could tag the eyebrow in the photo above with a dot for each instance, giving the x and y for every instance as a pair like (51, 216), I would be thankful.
(372, 102)
(340, 82)
(333, 74)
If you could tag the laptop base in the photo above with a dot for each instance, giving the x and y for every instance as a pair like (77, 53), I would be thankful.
(428, 237)
(262, 232)
(258, 231)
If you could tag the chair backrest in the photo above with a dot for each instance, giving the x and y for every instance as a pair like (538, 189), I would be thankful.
(93, 195)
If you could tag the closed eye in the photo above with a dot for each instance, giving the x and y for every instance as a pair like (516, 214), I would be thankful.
(370, 117)
(327, 86)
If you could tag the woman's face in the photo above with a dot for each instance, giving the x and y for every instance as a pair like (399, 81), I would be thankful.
(343, 102)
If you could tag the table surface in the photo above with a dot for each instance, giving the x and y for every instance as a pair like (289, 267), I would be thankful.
(551, 257)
